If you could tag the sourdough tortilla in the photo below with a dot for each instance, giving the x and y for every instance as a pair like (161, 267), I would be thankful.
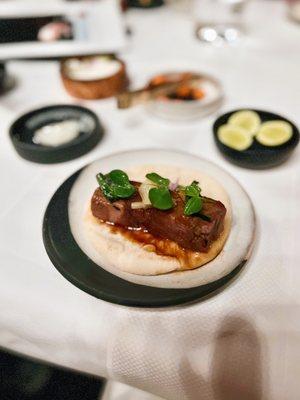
(115, 250)
(239, 243)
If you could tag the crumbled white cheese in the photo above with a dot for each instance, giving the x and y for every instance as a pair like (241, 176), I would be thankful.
(90, 69)
(58, 133)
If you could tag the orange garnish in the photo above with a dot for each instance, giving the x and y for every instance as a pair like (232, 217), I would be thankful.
(198, 93)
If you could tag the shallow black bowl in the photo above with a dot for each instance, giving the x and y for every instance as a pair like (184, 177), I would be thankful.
(3, 77)
(141, 4)
(22, 130)
(257, 156)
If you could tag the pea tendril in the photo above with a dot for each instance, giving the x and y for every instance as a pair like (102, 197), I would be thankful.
(115, 185)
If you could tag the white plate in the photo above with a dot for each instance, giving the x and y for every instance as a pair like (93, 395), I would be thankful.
(238, 245)
(181, 110)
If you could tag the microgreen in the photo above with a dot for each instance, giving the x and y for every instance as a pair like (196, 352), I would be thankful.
(115, 185)
(118, 177)
(157, 179)
(161, 198)
(193, 197)
(193, 205)
(193, 190)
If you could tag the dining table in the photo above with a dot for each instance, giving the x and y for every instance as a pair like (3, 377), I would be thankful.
(242, 342)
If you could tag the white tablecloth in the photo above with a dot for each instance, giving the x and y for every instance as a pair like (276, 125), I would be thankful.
(243, 343)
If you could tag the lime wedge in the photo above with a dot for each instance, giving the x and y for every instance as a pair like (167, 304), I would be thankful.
(246, 119)
(274, 133)
(234, 137)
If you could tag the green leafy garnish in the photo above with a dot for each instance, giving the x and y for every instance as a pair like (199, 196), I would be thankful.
(194, 200)
(161, 198)
(123, 192)
(157, 179)
(118, 177)
(193, 205)
(105, 186)
(115, 185)
(193, 190)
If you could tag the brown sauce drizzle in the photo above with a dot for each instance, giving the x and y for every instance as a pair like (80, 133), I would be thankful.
(162, 247)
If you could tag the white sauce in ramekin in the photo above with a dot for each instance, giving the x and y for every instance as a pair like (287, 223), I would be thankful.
(93, 68)
(58, 133)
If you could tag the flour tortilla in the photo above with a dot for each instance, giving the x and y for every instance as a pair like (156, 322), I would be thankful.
(135, 258)
(237, 248)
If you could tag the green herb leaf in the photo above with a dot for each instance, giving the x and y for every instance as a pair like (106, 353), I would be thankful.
(123, 192)
(159, 180)
(161, 198)
(105, 187)
(196, 185)
(193, 190)
(193, 205)
(115, 185)
(119, 177)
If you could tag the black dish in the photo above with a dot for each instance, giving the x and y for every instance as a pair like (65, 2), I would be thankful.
(257, 156)
(22, 130)
(143, 4)
(74, 264)
(3, 77)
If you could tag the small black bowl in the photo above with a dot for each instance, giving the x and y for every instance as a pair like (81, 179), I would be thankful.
(257, 156)
(3, 77)
(22, 130)
(143, 4)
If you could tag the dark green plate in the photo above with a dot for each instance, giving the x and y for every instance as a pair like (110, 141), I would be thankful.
(80, 270)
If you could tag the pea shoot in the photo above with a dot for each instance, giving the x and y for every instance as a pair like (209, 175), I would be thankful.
(115, 185)
(160, 196)
(193, 197)
(157, 179)
(193, 190)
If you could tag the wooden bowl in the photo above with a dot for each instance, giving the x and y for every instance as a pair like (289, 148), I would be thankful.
(94, 89)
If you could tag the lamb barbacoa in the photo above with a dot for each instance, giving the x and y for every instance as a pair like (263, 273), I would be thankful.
(195, 233)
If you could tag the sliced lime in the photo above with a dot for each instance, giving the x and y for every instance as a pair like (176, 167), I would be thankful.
(235, 137)
(246, 119)
(274, 133)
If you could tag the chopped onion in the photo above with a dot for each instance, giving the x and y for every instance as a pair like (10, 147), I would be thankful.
(138, 204)
(144, 192)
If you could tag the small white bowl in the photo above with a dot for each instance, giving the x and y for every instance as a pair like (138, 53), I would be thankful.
(184, 110)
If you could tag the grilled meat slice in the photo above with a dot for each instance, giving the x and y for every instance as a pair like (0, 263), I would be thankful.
(195, 233)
